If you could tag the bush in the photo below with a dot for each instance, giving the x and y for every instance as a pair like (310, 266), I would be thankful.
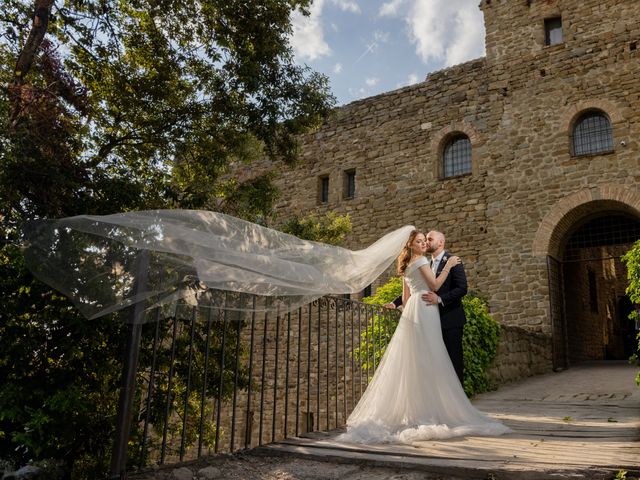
(632, 260)
(330, 228)
(376, 337)
(386, 293)
(480, 343)
(480, 339)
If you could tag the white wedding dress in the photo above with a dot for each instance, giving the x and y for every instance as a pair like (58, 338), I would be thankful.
(415, 393)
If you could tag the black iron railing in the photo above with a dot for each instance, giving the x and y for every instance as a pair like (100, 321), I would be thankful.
(208, 379)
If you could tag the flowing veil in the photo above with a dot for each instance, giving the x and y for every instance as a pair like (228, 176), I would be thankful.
(107, 263)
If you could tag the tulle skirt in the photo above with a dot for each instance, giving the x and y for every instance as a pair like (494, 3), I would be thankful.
(415, 393)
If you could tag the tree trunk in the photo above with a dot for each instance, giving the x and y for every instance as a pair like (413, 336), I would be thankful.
(42, 9)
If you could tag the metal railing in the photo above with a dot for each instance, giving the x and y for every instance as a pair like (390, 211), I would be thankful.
(208, 379)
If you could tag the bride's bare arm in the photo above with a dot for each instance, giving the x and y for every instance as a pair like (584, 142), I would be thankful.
(433, 282)
(405, 292)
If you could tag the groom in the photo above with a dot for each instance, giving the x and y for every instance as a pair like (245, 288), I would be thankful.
(448, 296)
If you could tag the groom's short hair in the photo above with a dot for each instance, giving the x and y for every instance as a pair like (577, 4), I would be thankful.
(439, 234)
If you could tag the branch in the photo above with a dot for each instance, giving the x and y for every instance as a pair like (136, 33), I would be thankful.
(12, 21)
(25, 60)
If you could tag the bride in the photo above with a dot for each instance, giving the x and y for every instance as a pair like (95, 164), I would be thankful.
(415, 393)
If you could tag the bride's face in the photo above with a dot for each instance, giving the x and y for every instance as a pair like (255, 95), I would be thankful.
(419, 245)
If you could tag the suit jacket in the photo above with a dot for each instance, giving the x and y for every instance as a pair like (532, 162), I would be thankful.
(451, 293)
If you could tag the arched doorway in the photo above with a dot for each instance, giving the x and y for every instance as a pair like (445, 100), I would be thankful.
(587, 281)
(586, 231)
(595, 280)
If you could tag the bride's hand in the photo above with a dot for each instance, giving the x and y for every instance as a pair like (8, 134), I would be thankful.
(452, 262)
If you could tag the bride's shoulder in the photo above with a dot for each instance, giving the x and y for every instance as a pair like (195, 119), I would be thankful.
(417, 263)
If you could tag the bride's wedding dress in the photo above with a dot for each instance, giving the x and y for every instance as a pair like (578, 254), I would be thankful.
(415, 393)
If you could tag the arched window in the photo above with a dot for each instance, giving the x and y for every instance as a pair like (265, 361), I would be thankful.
(592, 134)
(456, 156)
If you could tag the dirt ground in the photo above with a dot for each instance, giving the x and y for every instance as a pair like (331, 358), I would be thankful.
(244, 466)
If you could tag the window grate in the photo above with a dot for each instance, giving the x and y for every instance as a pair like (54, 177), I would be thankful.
(457, 157)
(605, 230)
(592, 135)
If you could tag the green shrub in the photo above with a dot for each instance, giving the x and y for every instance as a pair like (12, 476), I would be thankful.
(375, 338)
(480, 343)
(632, 260)
(330, 228)
(386, 293)
(480, 339)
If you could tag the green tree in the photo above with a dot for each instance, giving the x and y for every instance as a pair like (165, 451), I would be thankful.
(144, 104)
(632, 261)
(116, 106)
(58, 373)
(330, 228)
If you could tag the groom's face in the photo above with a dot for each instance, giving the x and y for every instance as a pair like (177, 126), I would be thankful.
(433, 242)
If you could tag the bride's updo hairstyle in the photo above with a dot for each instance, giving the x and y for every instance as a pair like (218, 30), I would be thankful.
(405, 255)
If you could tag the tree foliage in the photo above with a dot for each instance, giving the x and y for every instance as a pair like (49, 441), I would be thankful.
(117, 106)
(58, 373)
(632, 261)
(146, 99)
(330, 228)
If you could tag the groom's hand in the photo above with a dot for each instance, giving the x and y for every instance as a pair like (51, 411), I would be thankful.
(392, 306)
(430, 297)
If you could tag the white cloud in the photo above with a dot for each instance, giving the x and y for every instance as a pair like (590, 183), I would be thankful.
(308, 37)
(337, 68)
(308, 40)
(470, 43)
(357, 93)
(347, 5)
(372, 82)
(411, 79)
(381, 37)
(390, 9)
(446, 31)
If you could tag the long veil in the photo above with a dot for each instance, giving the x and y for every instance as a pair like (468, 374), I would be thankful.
(107, 263)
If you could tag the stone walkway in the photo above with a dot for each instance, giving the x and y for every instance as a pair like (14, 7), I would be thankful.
(580, 423)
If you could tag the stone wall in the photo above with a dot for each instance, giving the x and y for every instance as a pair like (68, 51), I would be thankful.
(517, 106)
(521, 353)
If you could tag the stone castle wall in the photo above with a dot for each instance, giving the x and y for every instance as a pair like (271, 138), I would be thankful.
(517, 106)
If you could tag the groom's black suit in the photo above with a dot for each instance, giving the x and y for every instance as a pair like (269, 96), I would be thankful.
(452, 318)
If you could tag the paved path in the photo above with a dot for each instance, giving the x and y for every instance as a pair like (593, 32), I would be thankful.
(580, 423)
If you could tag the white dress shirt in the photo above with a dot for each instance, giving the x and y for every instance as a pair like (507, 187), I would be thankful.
(435, 262)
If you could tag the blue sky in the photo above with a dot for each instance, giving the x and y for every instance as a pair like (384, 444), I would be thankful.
(367, 47)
